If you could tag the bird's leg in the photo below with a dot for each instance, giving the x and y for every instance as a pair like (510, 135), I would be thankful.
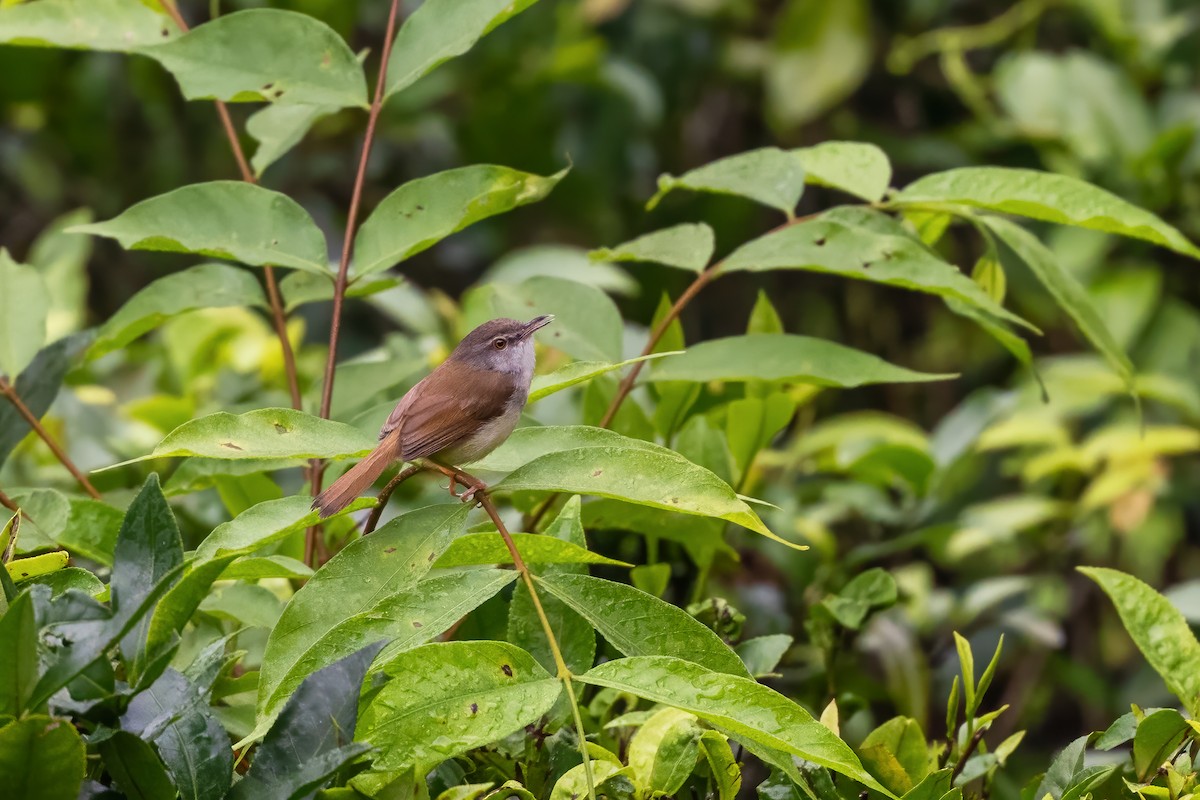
(472, 484)
(450, 473)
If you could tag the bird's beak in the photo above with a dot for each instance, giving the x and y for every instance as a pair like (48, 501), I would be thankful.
(535, 324)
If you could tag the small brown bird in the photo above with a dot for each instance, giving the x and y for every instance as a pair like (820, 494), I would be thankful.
(457, 414)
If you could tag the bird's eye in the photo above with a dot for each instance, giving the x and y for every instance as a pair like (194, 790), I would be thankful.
(499, 343)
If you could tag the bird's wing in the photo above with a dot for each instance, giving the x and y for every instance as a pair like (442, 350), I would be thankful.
(445, 408)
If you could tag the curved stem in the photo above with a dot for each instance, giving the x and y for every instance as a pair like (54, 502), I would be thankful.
(382, 500)
(9, 391)
(278, 315)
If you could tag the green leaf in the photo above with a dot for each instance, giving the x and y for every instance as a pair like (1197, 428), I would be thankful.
(70, 578)
(445, 699)
(762, 654)
(1158, 629)
(897, 754)
(314, 735)
(421, 213)
(263, 433)
(41, 757)
(578, 372)
(91, 530)
(639, 624)
(283, 57)
(747, 710)
(263, 524)
(119, 25)
(1158, 737)
(301, 288)
(345, 601)
(966, 660)
(37, 386)
(34, 566)
(1066, 290)
(593, 461)
(279, 128)
(233, 220)
(784, 357)
(856, 168)
(203, 286)
(24, 304)
(1046, 196)
(751, 423)
(989, 274)
(768, 175)
(664, 751)
(19, 669)
(764, 318)
(866, 246)
(688, 246)
(587, 324)
(488, 548)
(440, 30)
(148, 551)
(576, 638)
(724, 768)
(820, 53)
(135, 767)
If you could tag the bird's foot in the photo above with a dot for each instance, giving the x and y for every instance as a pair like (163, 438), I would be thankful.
(472, 489)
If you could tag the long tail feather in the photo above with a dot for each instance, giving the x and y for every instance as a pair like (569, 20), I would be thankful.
(356, 481)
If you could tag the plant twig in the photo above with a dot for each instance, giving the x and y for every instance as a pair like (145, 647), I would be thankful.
(9, 503)
(339, 287)
(972, 743)
(9, 391)
(278, 315)
(382, 500)
(484, 499)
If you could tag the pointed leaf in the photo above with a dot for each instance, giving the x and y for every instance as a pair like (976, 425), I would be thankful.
(488, 548)
(688, 246)
(745, 709)
(263, 524)
(421, 213)
(264, 54)
(447, 698)
(233, 220)
(135, 767)
(279, 128)
(439, 30)
(639, 624)
(784, 357)
(120, 25)
(19, 668)
(664, 751)
(1047, 196)
(769, 176)
(578, 372)
(203, 286)
(856, 168)
(24, 304)
(37, 386)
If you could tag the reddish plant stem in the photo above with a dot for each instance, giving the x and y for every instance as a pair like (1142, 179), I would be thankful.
(382, 500)
(976, 738)
(8, 502)
(278, 315)
(9, 391)
(340, 284)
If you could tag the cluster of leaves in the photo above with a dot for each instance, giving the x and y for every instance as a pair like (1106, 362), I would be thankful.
(191, 650)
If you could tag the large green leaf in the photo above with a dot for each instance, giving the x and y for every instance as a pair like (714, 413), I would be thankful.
(38, 385)
(120, 25)
(148, 551)
(593, 461)
(745, 709)
(859, 246)
(314, 735)
(688, 246)
(24, 304)
(135, 767)
(234, 220)
(343, 599)
(447, 698)
(856, 168)
(18, 669)
(768, 175)
(1065, 288)
(1047, 196)
(639, 624)
(203, 286)
(264, 54)
(421, 213)
(1158, 629)
(263, 524)
(263, 433)
(488, 548)
(41, 757)
(784, 357)
(587, 324)
(578, 372)
(664, 751)
(439, 30)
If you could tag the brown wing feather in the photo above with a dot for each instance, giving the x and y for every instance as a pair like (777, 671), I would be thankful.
(446, 407)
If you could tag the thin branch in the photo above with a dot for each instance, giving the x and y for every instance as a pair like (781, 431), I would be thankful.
(278, 315)
(974, 741)
(317, 471)
(382, 500)
(9, 391)
(9, 503)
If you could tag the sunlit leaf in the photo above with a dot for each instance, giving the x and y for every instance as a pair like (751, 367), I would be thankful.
(488, 548)
(120, 25)
(769, 176)
(578, 372)
(688, 246)
(856, 168)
